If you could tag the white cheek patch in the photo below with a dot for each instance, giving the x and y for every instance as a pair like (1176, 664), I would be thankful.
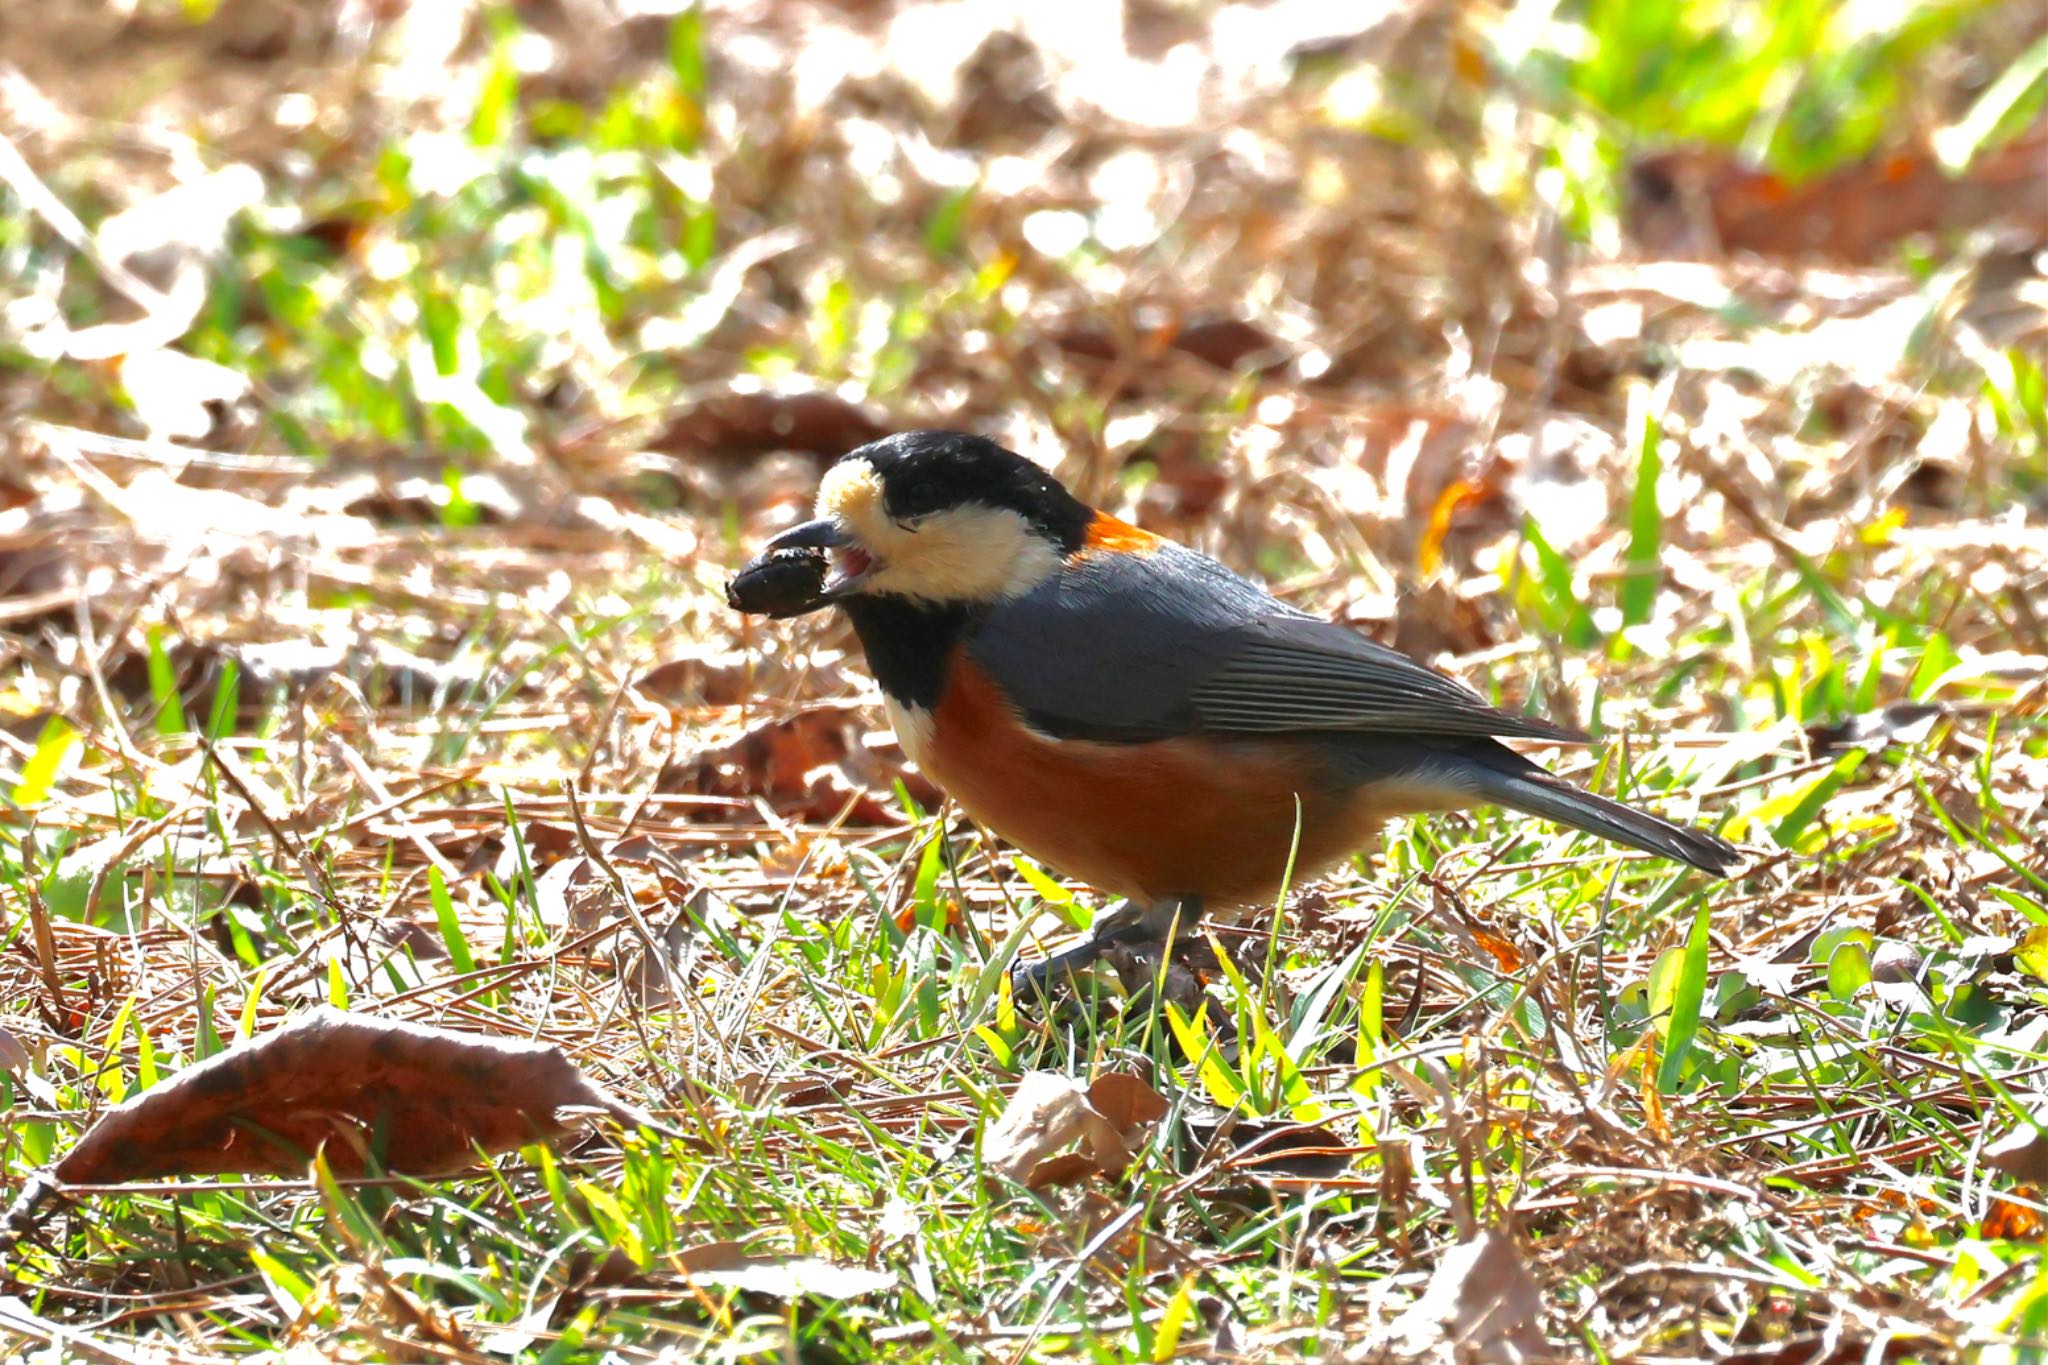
(967, 553)
(913, 727)
(964, 553)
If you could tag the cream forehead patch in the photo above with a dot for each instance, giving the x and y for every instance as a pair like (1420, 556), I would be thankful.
(851, 491)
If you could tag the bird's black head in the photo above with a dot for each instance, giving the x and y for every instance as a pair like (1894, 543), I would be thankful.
(942, 517)
(927, 472)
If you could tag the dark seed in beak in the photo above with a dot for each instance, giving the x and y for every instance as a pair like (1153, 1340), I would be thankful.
(779, 584)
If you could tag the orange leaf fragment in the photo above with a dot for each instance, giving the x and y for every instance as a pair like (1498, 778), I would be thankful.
(2011, 1221)
(1502, 950)
(1462, 493)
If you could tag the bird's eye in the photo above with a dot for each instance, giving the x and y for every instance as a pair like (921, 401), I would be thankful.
(922, 498)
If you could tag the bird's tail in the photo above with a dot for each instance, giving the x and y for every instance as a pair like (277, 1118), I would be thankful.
(1504, 778)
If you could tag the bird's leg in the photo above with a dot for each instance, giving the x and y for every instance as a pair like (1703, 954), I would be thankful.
(1130, 922)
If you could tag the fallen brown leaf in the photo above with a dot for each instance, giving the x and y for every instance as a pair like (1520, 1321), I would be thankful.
(1222, 343)
(432, 1097)
(1269, 1148)
(709, 675)
(1502, 950)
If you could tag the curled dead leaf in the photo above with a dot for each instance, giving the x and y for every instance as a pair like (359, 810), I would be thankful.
(1480, 1304)
(1901, 723)
(816, 766)
(1458, 496)
(2022, 1153)
(703, 674)
(1225, 343)
(13, 1056)
(1106, 1122)
(1501, 949)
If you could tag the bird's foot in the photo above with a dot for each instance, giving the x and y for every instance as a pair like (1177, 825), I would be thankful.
(1129, 924)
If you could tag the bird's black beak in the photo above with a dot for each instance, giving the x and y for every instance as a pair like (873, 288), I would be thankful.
(788, 577)
(781, 576)
(823, 534)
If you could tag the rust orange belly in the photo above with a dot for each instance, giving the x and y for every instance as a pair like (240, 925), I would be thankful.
(1187, 816)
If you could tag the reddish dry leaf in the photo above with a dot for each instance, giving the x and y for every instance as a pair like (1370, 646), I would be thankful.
(1223, 343)
(775, 759)
(953, 922)
(739, 425)
(432, 1097)
(1228, 344)
(365, 1296)
(1459, 495)
(1126, 1101)
(813, 766)
(1437, 618)
(699, 675)
(1184, 489)
(1048, 1112)
(13, 1056)
(644, 850)
(1695, 200)
(1651, 1094)
(1480, 1304)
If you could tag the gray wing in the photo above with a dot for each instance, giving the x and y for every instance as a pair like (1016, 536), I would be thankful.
(1132, 647)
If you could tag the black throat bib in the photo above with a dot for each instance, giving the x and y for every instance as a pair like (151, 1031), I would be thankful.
(909, 643)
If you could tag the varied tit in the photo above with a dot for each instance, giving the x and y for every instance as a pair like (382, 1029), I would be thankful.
(1129, 711)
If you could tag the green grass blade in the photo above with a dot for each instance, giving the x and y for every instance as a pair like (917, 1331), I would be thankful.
(163, 688)
(39, 775)
(452, 936)
(1685, 1006)
(1645, 527)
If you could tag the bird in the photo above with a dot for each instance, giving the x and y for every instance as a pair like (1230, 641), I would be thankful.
(1132, 713)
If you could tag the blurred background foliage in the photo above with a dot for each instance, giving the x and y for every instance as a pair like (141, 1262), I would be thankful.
(527, 222)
